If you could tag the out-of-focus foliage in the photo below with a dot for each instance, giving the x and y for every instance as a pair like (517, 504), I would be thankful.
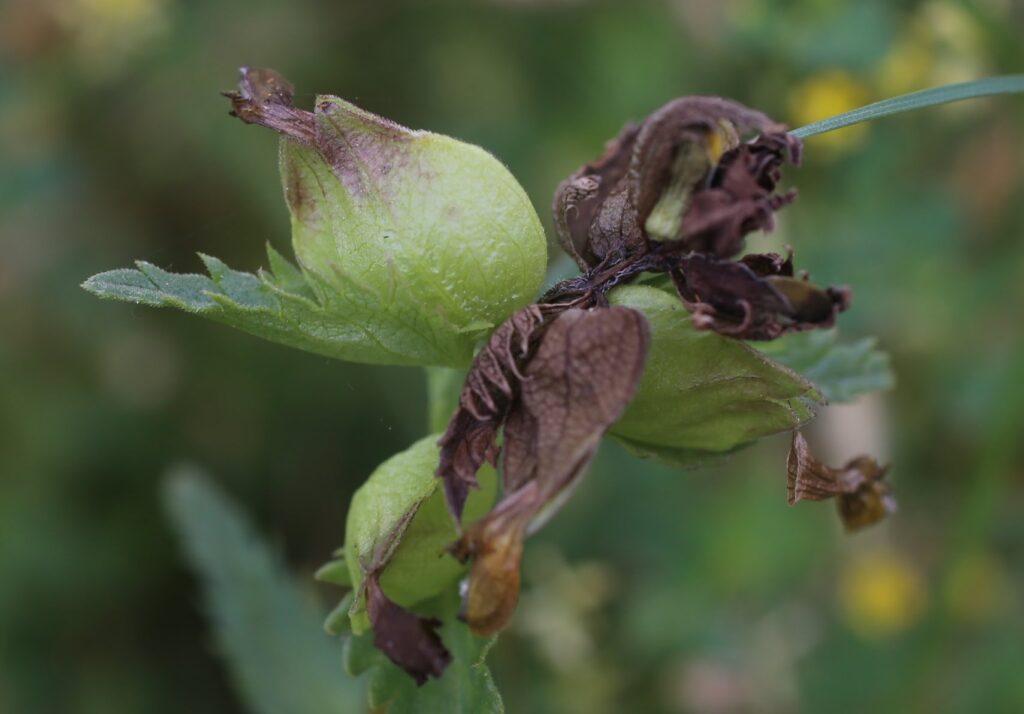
(263, 627)
(655, 590)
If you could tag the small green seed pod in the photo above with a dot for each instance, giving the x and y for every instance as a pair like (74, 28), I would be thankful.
(399, 525)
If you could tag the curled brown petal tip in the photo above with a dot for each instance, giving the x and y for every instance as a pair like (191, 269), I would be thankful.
(491, 590)
(411, 642)
(755, 298)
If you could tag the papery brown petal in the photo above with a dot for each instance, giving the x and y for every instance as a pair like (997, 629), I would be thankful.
(744, 300)
(584, 374)
(581, 196)
(663, 180)
(769, 263)
(679, 123)
(411, 642)
(811, 480)
(490, 387)
(739, 198)
(862, 497)
(264, 97)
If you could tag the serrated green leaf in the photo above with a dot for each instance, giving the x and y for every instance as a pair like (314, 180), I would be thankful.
(413, 246)
(399, 520)
(265, 307)
(334, 572)
(338, 621)
(703, 392)
(360, 655)
(841, 372)
(269, 635)
(286, 276)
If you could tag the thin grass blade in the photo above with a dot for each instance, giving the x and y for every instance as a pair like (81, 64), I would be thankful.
(1007, 84)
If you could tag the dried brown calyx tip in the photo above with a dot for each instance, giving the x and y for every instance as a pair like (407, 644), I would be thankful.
(862, 497)
(264, 97)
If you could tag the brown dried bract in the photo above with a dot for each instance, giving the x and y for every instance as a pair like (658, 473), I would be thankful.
(411, 642)
(756, 298)
(584, 373)
(490, 388)
(862, 497)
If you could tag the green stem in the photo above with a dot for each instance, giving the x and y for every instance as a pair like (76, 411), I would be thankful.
(443, 387)
(1007, 84)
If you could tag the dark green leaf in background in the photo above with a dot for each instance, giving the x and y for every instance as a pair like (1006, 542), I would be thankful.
(265, 628)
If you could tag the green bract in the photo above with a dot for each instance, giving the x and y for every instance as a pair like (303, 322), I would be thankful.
(411, 246)
(399, 524)
(426, 241)
(702, 392)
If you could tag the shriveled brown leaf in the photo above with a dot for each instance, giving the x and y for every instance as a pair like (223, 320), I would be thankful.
(862, 497)
(756, 298)
(411, 642)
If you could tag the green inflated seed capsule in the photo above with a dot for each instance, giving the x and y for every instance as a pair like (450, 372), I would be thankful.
(702, 393)
(398, 524)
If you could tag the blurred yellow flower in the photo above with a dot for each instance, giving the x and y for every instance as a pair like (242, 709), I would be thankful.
(881, 593)
(106, 33)
(978, 589)
(826, 94)
(942, 44)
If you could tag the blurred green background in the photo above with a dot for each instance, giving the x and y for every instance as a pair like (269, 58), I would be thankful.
(654, 590)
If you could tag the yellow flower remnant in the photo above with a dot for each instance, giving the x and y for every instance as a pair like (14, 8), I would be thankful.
(942, 44)
(881, 594)
(826, 94)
